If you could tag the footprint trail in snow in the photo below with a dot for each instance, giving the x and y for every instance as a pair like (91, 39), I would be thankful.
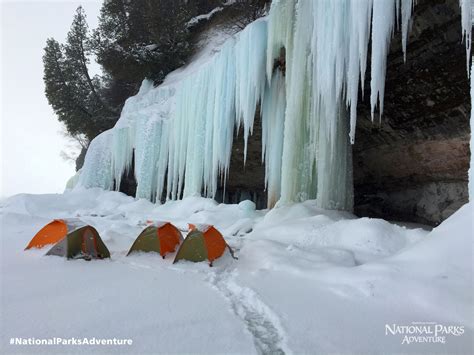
(259, 319)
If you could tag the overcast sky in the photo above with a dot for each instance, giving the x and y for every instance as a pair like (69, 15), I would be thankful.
(31, 142)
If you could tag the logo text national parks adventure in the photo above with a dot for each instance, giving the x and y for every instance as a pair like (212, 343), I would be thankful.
(424, 332)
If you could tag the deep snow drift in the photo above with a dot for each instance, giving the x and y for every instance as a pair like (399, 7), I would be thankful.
(307, 280)
(182, 131)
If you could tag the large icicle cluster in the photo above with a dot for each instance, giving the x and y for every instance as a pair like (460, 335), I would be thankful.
(180, 133)
(326, 45)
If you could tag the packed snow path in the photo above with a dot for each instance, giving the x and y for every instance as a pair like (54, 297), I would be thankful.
(307, 280)
(258, 318)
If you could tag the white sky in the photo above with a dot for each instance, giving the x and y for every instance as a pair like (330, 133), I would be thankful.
(30, 139)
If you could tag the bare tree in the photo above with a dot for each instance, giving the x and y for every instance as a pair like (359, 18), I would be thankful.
(76, 143)
(247, 11)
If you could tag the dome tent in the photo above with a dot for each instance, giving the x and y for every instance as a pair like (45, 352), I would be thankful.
(202, 243)
(83, 243)
(54, 231)
(160, 238)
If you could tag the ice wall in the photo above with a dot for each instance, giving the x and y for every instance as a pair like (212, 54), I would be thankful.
(181, 133)
(326, 45)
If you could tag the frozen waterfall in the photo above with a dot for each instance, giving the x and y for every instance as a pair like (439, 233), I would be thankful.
(180, 134)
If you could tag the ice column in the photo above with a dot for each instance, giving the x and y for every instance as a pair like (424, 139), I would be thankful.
(273, 119)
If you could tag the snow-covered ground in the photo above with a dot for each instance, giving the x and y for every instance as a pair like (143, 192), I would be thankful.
(307, 280)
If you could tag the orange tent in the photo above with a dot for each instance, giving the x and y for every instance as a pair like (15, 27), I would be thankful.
(202, 243)
(163, 239)
(53, 232)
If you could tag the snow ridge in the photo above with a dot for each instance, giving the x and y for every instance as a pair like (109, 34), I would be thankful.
(204, 17)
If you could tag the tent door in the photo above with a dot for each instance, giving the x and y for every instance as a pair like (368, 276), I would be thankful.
(89, 246)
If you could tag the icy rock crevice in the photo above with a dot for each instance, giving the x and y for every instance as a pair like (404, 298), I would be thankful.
(182, 131)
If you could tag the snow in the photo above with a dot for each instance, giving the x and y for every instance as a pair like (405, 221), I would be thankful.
(307, 280)
(204, 17)
(151, 47)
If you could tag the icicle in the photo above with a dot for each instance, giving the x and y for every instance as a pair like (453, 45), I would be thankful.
(334, 73)
(122, 156)
(280, 31)
(273, 120)
(250, 52)
(467, 22)
(407, 8)
(382, 30)
(296, 179)
(359, 27)
(97, 169)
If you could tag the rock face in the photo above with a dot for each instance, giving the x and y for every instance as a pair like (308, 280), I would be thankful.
(412, 164)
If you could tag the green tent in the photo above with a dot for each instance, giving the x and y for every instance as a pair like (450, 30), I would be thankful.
(82, 243)
(203, 245)
(161, 239)
(193, 248)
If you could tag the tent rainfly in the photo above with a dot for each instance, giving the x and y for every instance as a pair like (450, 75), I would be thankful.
(203, 243)
(161, 238)
(54, 231)
(83, 243)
